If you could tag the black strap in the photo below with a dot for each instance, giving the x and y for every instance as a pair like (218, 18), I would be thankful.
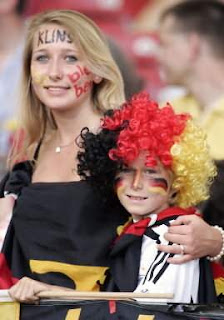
(37, 150)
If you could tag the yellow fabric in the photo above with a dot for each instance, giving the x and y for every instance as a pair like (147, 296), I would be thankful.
(145, 317)
(219, 285)
(9, 310)
(212, 121)
(85, 278)
(73, 314)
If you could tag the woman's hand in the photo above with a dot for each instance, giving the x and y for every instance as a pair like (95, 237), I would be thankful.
(194, 238)
(26, 290)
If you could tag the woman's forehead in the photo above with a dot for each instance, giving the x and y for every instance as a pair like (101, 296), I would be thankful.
(48, 34)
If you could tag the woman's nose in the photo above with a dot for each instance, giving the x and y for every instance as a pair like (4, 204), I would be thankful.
(55, 71)
(137, 180)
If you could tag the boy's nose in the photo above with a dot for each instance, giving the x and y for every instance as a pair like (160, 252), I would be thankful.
(137, 180)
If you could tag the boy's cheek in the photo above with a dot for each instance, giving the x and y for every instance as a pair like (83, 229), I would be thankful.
(119, 186)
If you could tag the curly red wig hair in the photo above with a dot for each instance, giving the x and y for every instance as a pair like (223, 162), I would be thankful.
(146, 128)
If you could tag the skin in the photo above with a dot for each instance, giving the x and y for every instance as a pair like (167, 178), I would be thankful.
(54, 60)
(174, 53)
(143, 190)
(198, 238)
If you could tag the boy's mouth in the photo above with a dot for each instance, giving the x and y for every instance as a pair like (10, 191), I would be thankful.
(136, 197)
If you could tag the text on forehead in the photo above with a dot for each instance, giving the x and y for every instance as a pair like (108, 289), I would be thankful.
(53, 36)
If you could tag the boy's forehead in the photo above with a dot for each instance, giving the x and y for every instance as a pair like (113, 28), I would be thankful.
(140, 162)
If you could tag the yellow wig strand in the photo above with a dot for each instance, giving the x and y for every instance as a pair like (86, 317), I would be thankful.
(192, 166)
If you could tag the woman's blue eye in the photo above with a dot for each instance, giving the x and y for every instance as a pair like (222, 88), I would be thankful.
(71, 58)
(41, 58)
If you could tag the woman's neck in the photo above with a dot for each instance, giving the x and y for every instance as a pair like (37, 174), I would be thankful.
(70, 125)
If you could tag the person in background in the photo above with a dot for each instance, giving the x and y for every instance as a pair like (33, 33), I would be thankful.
(147, 157)
(192, 55)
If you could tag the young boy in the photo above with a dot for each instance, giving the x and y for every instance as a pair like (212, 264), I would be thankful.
(157, 164)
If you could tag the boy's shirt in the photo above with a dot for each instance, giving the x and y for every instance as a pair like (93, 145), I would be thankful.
(156, 275)
(127, 259)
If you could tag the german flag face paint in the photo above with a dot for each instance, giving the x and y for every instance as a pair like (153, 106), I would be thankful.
(158, 185)
(143, 190)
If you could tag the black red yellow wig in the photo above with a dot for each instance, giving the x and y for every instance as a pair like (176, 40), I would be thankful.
(140, 125)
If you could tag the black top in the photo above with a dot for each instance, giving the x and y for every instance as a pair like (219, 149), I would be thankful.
(59, 233)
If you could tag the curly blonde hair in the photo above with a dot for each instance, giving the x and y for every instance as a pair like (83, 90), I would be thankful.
(192, 166)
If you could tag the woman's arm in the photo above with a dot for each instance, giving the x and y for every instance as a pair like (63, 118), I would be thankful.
(198, 239)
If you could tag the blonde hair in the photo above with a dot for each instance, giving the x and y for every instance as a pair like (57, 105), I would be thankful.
(108, 94)
(192, 166)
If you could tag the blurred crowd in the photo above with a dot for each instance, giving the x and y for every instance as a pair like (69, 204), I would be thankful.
(159, 48)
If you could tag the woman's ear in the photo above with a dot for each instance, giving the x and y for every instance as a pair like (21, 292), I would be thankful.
(97, 79)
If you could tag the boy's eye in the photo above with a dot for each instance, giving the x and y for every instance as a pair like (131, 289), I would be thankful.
(150, 171)
(71, 58)
(125, 170)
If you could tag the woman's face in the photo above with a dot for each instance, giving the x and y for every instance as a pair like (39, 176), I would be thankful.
(59, 75)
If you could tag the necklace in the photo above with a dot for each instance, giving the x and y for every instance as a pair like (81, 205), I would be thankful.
(60, 147)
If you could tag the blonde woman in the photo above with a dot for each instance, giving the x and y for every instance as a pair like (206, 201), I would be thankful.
(59, 229)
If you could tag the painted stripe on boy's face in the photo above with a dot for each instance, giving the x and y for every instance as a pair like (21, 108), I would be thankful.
(158, 185)
(119, 185)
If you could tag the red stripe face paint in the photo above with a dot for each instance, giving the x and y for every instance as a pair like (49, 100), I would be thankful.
(158, 185)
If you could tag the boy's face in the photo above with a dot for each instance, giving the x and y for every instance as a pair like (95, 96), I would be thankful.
(143, 190)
